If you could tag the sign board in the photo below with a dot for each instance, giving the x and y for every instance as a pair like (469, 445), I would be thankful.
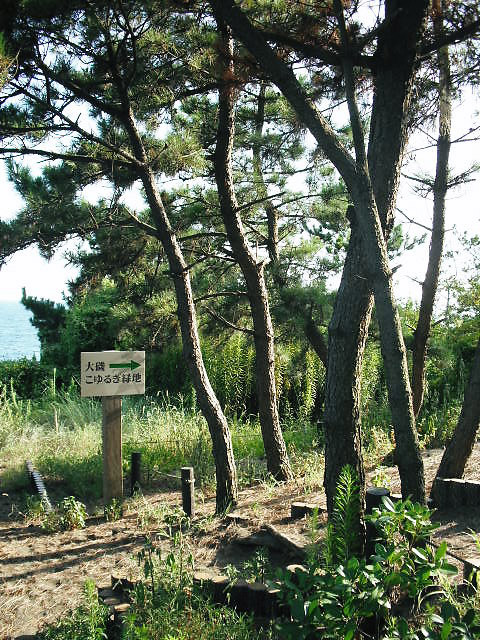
(112, 373)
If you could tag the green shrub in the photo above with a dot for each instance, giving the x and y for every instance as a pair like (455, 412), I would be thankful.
(360, 598)
(231, 370)
(68, 515)
(27, 379)
(299, 377)
(167, 373)
(167, 606)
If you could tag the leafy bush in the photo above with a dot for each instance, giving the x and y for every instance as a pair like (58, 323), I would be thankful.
(167, 373)
(167, 606)
(68, 515)
(27, 379)
(90, 325)
(231, 370)
(361, 598)
(299, 377)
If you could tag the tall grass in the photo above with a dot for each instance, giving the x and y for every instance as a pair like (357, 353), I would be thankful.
(62, 435)
(59, 433)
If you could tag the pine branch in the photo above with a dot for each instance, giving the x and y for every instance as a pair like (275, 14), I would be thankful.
(229, 324)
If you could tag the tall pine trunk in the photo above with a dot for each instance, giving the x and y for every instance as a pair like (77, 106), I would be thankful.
(347, 335)
(275, 449)
(440, 186)
(226, 475)
(461, 445)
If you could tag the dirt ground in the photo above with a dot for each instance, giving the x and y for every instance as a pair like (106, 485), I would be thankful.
(42, 575)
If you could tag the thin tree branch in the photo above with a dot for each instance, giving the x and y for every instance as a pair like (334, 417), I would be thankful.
(413, 221)
(220, 294)
(229, 324)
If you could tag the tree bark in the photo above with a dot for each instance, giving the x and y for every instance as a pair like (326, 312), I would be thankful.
(357, 179)
(312, 334)
(430, 284)
(377, 176)
(226, 475)
(407, 450)
(275, 450)
(461, 445)
(347, 335)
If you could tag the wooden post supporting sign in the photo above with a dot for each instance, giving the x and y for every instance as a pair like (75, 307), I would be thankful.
(111, 375)
(112, 448)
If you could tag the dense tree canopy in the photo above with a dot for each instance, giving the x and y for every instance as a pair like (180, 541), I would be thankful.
(202, 110)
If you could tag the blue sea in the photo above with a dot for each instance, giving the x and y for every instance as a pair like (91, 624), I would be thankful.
(18, 338)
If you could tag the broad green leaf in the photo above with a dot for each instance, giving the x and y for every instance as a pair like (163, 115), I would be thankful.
(446, 629)
(449, 569)
(441, 551)
(420, 554)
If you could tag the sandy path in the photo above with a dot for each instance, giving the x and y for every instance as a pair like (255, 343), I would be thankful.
(42, 575)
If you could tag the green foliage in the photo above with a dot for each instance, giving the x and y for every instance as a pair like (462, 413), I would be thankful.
(27, 379)
(403, 553)
(360, 598)
(256, 569)
(88, 622)
(113, 511)
(90, 325)
(231, 372)
(68, 515)
(14, 415)
(344, 534)
(331, 604)
(48, 319)
(74, 470)
(299, 377)
(108, 315)
(62, 436)
(167, 374)
(167, 605)
(5, 61)
(403, 521)
(36, 509)
(450, 623)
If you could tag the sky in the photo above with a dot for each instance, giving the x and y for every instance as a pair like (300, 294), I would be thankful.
(48, 279)
(41, 278)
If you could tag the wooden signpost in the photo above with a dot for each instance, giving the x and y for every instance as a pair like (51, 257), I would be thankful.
(112, 375)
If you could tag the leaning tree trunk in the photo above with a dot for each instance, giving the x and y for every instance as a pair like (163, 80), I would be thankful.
(407, 450)
(393, 80)
(461, 445)
(226, 475)
(409, 24)
(440, 186)
(275, 449)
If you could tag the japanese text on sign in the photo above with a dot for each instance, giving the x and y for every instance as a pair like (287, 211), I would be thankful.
(112, 373)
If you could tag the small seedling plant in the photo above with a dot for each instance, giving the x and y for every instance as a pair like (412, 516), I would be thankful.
(258, 568)
(113, 511)
(88, 621)
(69, 514)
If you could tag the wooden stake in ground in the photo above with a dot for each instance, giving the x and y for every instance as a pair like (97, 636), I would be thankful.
(188, 491)
(112, 448)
